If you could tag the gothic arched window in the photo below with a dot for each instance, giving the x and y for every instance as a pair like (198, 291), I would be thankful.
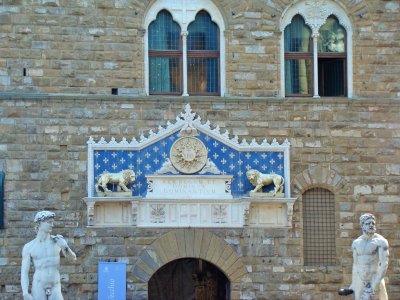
(203, 55)
(165, 55)
(184, 48)
(332, 58)
(316, 50)
(298, 58)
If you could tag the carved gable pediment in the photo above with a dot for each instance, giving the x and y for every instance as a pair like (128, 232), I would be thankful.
(187, 165)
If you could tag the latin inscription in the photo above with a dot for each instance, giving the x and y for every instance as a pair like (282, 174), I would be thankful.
(205, 187)
(188, 187)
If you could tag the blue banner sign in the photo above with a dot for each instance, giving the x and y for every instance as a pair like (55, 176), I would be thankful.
(112, 281)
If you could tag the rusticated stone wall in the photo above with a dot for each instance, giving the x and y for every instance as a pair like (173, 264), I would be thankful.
(351, 147)
(90, 47)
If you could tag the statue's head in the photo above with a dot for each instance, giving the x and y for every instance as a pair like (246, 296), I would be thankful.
(367, 223)
(43, 216)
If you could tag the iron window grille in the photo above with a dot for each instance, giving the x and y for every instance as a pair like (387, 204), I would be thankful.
(319, 228)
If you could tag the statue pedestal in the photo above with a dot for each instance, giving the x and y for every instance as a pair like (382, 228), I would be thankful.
(270, 212)
(114, 194)
(259, 195)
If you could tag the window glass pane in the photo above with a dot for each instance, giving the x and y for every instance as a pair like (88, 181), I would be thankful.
(319, 228)
(331, 37)
(203, 75)
(164, 33)
(164, 74)
(298, 74)
(203, 33)
(331, 76)
(297, 36)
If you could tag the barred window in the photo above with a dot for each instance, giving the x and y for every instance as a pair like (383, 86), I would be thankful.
(203, 56)
(165, 55)
(185, 49)
(319, 228)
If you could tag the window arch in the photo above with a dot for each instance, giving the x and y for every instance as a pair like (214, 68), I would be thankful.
(201, 63)
(325, 69)
(319, 228)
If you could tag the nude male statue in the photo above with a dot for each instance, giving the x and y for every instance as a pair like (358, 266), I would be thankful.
(44, 251)
(370, 262)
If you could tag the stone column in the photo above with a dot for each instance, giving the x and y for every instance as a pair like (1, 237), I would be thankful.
(315, 57)
(184, 35)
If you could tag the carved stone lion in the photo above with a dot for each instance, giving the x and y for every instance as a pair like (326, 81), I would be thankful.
(259, 180)
(122, 179)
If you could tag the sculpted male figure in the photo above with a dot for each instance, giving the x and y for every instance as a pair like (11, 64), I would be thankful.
(44, 251)
(370, 262)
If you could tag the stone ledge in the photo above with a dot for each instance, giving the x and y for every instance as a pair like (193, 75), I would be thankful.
(193, 99)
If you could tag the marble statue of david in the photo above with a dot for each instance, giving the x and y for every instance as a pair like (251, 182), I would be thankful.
(44, 252)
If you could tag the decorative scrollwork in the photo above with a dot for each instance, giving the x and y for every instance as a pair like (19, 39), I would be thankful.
(157, 214)
(220, 213)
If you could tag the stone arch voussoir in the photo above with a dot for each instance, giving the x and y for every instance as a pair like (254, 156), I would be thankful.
(319, 176)
(189, 243)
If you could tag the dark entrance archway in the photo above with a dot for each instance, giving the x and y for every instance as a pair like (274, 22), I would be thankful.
(189, 279)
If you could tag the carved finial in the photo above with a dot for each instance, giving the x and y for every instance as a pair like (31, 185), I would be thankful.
(134, 142)
(90, 141)
(142, 138)
(113, 141)
(188, 117)
(253, 143)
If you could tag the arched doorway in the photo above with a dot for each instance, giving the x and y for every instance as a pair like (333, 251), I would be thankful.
(189, 279)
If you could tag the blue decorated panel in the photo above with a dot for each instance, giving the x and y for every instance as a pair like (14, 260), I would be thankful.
(228, 160)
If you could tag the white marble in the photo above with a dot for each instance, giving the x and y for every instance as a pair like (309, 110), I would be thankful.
(44, 251)
(370, 262)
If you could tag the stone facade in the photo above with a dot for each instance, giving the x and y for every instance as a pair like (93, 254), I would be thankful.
(347, 146)
(90, 47)
(55, 53)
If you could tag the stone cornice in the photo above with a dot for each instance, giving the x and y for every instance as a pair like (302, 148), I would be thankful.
(195, 99)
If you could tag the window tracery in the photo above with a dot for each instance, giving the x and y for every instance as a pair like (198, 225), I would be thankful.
(197, 67)
(330, 60)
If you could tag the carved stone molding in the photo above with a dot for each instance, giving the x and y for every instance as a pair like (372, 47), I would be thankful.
(315, 14)
(188, 155)
(157, 214)
(219, 213)
(188, 173)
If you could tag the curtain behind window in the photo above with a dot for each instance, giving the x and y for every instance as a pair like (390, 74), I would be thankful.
(203, 55)
(164, 55)
(298, 57)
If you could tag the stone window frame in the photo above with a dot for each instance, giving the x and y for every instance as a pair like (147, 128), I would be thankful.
(184, 12)
(315, 14)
